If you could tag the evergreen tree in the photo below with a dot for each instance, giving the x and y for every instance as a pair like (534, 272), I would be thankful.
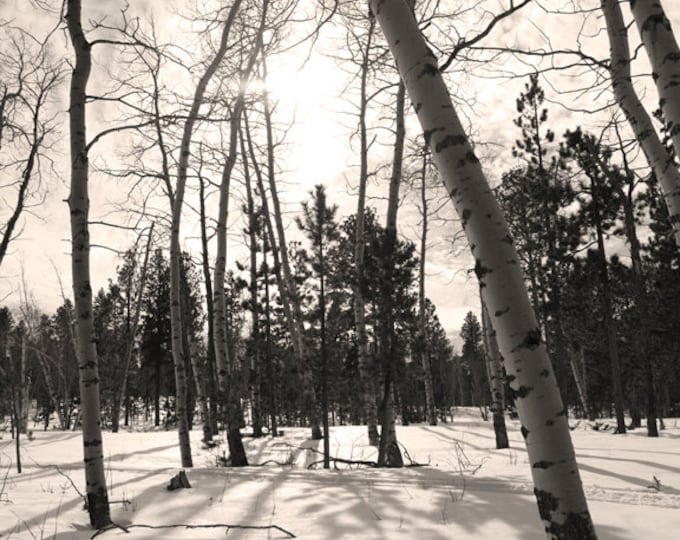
(318, 223)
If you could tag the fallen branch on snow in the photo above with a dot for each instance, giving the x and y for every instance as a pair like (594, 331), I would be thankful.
(227, 526)
(359, 462)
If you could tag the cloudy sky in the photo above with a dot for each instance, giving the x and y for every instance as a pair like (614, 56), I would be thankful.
(315, 101)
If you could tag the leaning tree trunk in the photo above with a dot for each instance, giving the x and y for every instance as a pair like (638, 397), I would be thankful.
(662, 49)
(559, 492)
(359, 284)
(430, 412)
(175, 252)
(79, 206)
(494, 364)
(659, 42)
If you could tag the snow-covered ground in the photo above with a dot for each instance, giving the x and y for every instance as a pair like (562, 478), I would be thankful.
(468, 489)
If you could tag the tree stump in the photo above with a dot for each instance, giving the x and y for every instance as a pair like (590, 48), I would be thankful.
(179, 481)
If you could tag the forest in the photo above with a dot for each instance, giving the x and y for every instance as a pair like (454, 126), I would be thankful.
(212, 290)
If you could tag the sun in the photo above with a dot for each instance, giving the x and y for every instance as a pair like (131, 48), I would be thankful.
(310, 95)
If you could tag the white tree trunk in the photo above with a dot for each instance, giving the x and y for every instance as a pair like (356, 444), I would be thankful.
(559, 492)
(657, 156)
(79, 206)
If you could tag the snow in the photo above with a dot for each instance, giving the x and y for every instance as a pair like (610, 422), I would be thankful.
(466, 490)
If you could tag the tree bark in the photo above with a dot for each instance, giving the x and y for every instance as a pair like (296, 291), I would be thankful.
(79, 206)
(660, 44)
(558, 488)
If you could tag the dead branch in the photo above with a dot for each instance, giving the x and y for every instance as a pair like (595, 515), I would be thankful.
(227, 526)
(360, 462)
(58, 469)
(466, 43)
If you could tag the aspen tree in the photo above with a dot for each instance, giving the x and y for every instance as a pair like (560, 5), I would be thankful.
(657, 156)
(175, 251)
(220, 323)
(557, 484)
(79, 206)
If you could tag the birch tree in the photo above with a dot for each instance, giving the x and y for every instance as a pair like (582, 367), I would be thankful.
(559, 492)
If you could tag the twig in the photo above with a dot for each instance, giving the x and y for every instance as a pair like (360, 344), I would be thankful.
(227, 526)
(408, 456)
(58, 469)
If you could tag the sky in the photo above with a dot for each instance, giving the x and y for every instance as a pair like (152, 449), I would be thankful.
(320, 147)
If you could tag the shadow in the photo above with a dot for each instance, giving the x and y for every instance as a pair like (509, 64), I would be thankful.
(640, 482)
(651, 464)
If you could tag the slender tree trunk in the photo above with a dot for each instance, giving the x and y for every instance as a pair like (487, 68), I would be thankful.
(121, 392)
(255, 368)
(175, 251)
(389, 448)
(655, 30)
(494, 364)
(641, 345)
(309, 392)
(207, 280)
(24, 401)
(271, 239)
(16, 428)
(157, 394)
(558, 488)
(79, 206)
(580, 382)
(324, 360)
(49, 384)
(221, 323)
(268, 350)
(609, 321)
(359, 285)
(430, 412)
